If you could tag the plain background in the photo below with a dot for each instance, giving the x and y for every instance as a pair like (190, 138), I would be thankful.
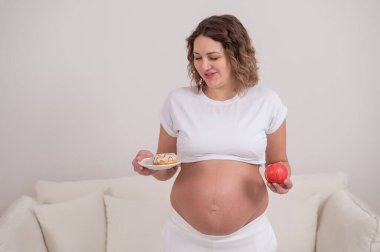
(82, 83)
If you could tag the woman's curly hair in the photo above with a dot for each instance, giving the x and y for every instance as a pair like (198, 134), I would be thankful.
(237, 45)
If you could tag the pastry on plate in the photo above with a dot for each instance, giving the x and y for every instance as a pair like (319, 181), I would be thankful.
(165, 159)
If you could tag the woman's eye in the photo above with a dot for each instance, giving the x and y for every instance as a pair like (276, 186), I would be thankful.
(197, 58)
(214, 58)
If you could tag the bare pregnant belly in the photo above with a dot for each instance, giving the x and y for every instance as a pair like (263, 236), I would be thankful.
(218, 197)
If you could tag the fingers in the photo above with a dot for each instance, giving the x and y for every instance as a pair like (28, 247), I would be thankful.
(288, 183)
(137, 167)
(281, 188)
(271, 187)
(274, 187)
(141, 170)
(145, 171)
(143, 154)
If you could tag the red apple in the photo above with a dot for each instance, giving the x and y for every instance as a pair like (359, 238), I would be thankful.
(276, 173)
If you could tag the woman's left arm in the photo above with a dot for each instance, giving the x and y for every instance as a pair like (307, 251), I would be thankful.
(276, 152)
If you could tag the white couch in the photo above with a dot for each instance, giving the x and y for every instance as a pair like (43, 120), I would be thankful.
(127, 214)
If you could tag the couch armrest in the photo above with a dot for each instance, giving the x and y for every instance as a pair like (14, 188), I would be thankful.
(348, 225)
(19, 228)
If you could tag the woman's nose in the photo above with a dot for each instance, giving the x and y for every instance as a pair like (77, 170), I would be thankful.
(205, 64)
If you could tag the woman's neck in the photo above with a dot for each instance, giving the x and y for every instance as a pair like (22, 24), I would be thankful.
(220, 94)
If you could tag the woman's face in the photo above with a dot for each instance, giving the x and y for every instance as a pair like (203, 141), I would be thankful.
(211, 62)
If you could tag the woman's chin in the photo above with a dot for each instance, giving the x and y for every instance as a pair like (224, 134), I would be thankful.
(213, 84)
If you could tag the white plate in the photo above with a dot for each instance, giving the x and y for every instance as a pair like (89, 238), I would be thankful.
(148, 163)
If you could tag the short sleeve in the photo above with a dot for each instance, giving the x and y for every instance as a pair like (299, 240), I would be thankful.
(277, 113)
(166, 117)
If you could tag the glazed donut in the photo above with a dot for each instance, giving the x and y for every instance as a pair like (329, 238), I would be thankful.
(165, 159)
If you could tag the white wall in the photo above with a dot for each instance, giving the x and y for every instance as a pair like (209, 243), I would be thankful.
(81, 83)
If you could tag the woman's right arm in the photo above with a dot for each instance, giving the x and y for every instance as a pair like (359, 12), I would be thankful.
(166, 144)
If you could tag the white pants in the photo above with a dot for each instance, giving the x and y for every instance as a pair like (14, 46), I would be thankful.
(180, 236)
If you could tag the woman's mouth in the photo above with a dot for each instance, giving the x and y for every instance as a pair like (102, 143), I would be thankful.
(210, 75)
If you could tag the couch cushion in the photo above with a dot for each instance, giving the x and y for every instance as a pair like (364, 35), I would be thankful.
(138, 221)
(141, 187)
(294, 220)
(322, 183)
(55, 192)
(19, 229)
(76, 225)
(125, 187)
(347, 225)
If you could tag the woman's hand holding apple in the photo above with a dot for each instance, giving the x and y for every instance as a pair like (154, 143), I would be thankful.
(277, 178)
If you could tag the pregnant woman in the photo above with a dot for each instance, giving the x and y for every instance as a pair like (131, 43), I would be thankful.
(223, 128)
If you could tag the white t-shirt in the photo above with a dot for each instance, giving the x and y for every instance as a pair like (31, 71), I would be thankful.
(235, 129)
